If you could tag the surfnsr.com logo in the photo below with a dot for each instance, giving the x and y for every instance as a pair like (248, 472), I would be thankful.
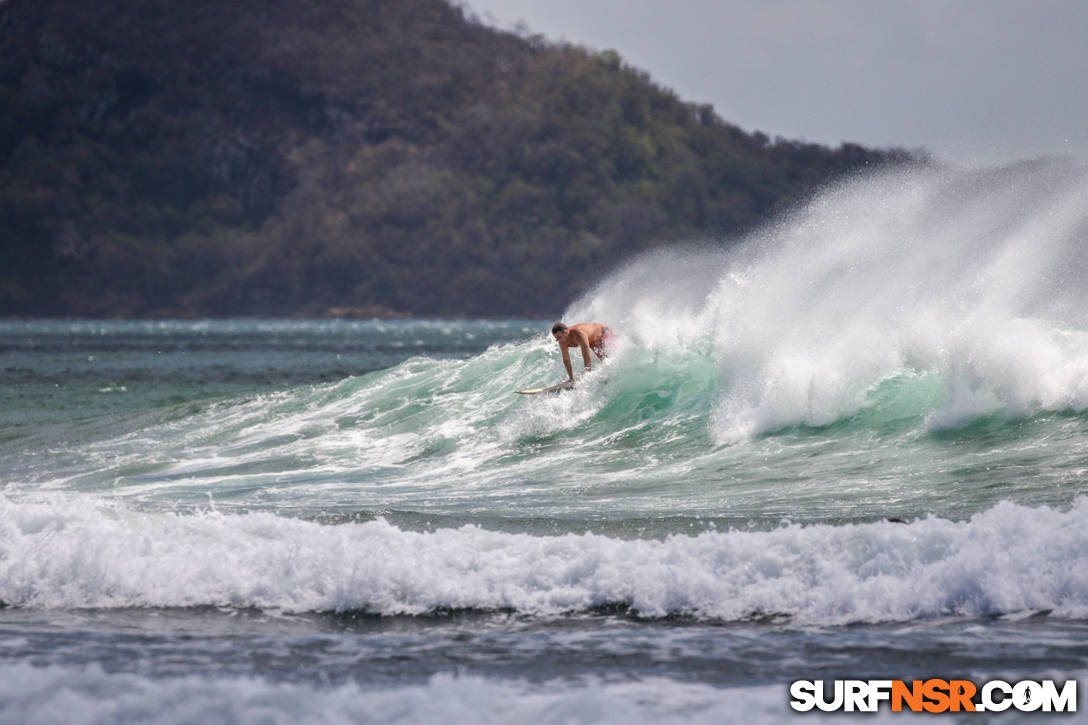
(934, 695)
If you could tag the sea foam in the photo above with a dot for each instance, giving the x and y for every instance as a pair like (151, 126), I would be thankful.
(71, 552)
(979, 277)
(58, 694)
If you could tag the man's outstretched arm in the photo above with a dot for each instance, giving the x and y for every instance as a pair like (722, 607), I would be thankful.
(566, 362)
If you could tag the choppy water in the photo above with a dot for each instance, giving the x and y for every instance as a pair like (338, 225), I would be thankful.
(359, 521)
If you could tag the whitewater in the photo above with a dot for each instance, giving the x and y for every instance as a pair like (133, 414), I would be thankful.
(850, 444)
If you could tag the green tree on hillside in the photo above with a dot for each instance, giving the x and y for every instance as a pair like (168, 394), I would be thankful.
(375, 156)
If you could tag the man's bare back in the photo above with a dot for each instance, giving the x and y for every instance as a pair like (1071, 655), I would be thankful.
(586, 336)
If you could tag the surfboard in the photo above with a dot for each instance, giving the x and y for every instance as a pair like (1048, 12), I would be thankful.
(565, 385)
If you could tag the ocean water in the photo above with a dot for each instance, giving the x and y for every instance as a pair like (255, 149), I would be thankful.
(852, 445)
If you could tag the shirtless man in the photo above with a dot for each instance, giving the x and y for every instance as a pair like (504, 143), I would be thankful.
(587, 335)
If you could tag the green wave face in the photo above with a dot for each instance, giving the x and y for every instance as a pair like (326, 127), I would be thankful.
(908, 344)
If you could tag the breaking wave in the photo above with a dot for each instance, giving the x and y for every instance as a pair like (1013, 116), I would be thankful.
(64, 553)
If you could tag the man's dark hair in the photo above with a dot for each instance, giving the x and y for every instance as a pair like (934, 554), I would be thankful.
(558, 327)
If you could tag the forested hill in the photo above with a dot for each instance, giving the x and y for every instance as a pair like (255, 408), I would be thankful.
(285, 157)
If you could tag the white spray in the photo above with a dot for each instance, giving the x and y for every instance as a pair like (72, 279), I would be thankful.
(980, 277)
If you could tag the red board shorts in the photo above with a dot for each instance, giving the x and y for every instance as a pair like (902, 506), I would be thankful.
(601, 347)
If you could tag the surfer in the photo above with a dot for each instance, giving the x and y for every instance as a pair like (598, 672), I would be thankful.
(587, 336)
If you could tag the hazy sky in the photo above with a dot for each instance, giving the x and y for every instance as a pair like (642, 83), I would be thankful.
(973, 81)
